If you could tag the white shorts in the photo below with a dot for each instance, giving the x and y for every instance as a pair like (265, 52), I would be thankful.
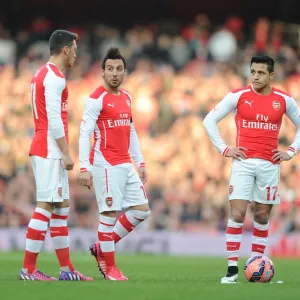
(255, 179)
(51, 179)
(118, 187)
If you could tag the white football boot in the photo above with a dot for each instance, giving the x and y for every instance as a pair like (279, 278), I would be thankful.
(229, 279)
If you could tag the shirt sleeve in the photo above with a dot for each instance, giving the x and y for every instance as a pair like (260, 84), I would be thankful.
(54, 87)
(293, 113)
(92, 109)
(134, 147)
(227, 105)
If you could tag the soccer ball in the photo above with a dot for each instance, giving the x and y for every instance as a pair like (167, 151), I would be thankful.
(259, 269)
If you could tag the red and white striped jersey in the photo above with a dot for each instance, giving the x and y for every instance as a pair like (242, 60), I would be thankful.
(258, 120)
(49, 94)
(108, 117)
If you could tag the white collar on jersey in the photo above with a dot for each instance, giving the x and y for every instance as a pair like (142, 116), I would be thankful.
(260, 94)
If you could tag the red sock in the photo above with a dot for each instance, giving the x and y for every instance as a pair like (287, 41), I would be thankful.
(36, 233)
(127, 222)
(107, 244)
(60, 236)
(259, 238)
(233, 241)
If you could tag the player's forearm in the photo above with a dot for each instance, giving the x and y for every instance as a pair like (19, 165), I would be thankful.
(295, 146)
(84, 153)
(56, 126)
(87, 128)
(293, 113)
(57, 130)
(135, 149)
(63, 145)
(210, 124)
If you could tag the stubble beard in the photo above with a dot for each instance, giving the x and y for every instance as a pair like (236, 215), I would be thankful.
(114, 85)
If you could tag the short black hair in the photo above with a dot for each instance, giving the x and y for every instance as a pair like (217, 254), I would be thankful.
(268, 60)
(113, 53)
(59, 39)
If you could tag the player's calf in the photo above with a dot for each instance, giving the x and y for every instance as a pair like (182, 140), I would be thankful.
(127, 222)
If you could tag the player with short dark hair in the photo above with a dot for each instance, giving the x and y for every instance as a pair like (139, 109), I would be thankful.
(51, 160)
(258, 109)
(108, 166)
(113, 53)
(265, 60)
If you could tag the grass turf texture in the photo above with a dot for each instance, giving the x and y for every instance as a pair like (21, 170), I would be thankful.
(150, 277)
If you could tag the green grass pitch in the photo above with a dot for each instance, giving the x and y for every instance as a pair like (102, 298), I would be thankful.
(150, 277)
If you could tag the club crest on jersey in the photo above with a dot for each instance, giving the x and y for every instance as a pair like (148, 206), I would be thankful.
(230, 189)
(276, 105)
(59, 191)
(128, 102)
(64, 106)
(109, 201)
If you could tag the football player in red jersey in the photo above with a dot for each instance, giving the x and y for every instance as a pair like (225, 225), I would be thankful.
(108, 167)
(51, 160)
(258, 110)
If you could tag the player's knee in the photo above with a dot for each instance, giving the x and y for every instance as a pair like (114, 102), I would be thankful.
(64, 204)
(142, 207)
(237, 216)
(261, 217)
(141, 214)
(45, 205)
(109, 214)
(61, 211)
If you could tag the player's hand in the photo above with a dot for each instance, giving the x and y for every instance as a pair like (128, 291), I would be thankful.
(143, 174)
(86, 179)
(237, 153)
(280, 156)
(68, 162)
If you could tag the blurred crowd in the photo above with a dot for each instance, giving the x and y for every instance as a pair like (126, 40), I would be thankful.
(176, 74)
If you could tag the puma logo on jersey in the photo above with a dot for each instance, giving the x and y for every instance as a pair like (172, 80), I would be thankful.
(111, 104)
(249, 102)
